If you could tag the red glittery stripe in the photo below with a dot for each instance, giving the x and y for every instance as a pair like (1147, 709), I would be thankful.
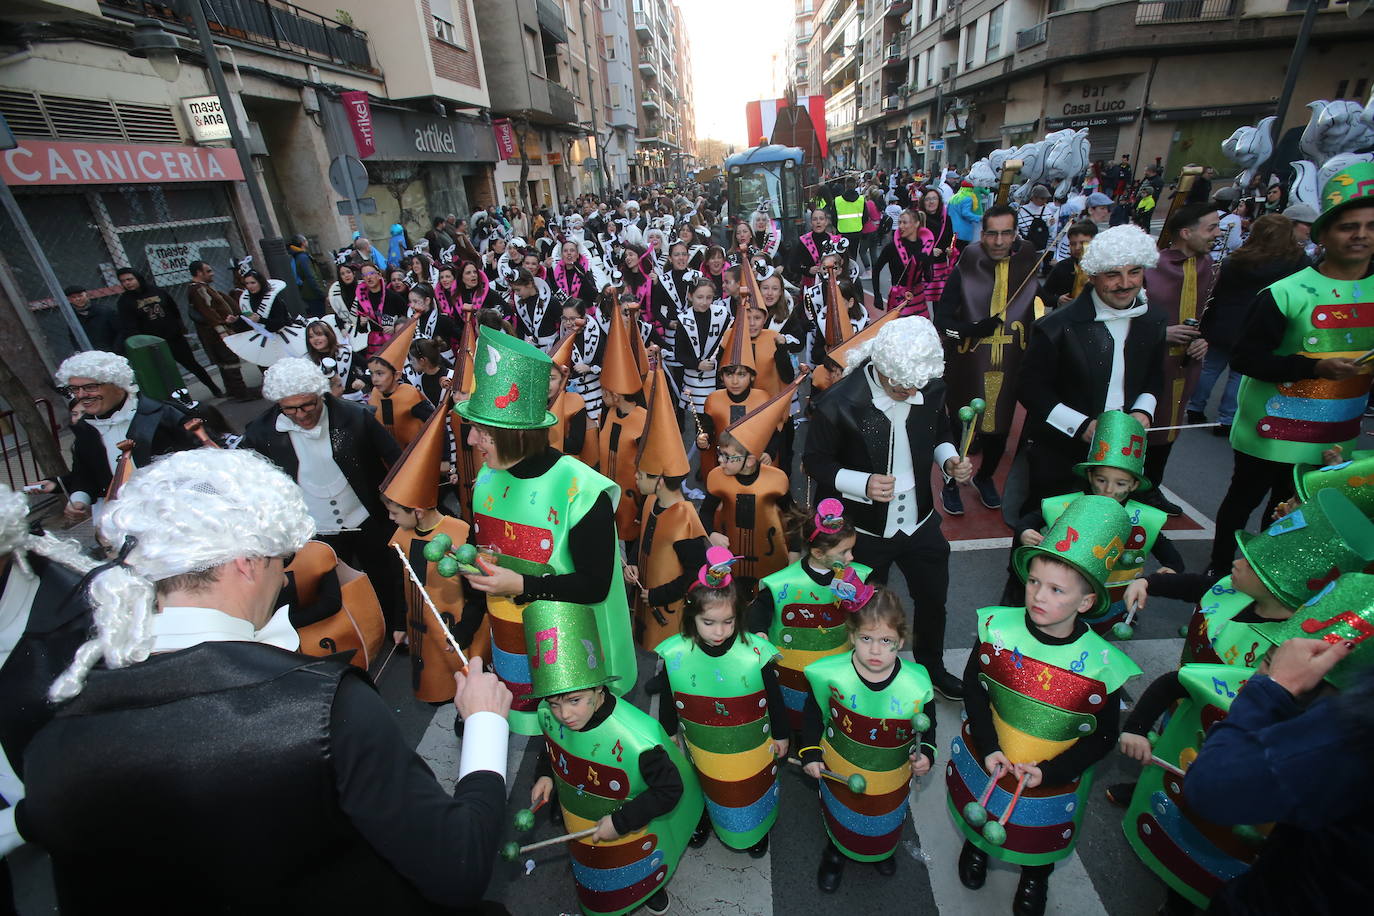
(1291, 430)
(620, 900)
(1056, 686)
(857, 842)
(886, 733)
(512, 538)
(579, 771)
(617, 856)
(1345, 315)
(823, 616)
(740, 793)
(707, 710)
(1173, 858)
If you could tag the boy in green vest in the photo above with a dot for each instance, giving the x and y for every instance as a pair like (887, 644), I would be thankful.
(614, 767)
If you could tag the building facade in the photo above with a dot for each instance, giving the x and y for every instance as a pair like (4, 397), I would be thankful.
(666, 130)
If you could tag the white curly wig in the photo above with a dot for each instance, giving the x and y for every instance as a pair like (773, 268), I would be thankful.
(291, 377)
(17, 542)
(1119, 246)
(98, 366)
(185, 513)
(906, 350)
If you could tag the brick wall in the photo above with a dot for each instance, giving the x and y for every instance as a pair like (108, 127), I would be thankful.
(450, 61)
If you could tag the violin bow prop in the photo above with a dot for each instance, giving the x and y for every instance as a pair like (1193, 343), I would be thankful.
(1035, 268)
(443, 627)
(196, 427)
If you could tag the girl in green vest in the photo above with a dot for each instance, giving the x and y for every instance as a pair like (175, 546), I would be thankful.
(869, 712)
(724, 692)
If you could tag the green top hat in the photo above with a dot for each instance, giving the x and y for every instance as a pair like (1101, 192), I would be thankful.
(564, 648)
(1310, 546)
(1119, 442)
(1352, 185)
(1090, 536)
(511, 383)
(1354, 478)
(1342, 611)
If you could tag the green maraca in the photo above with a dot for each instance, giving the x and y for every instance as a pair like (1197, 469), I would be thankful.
(920, 722)
(524, 819)
(994, 833)
(438, 548)
(511, 851)
(449, 562)
(975, 814)
(979, 405)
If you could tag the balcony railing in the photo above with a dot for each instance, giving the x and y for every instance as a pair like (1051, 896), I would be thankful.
(1029, 38)
(561, 104)
(271, 24)
(891, 103)
(1149, 12)
(643, 22)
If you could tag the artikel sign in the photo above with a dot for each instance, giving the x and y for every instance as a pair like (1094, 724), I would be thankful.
(206, 117)
(435, 139)
(359, 110)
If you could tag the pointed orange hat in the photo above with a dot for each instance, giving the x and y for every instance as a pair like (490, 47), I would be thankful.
(661, 451)
(394, 354)
(841, 353)
(562, 354)
(413, 481)
(754, 429)
(739, 349)
(463, 359)
(619, 372)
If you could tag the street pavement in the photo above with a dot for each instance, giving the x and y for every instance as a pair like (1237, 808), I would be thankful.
(1102, 876)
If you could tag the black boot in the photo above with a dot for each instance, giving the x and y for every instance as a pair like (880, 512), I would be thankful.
(1032, 891)
(831, 870)
(973, 866)
(887, 867)
(759, 849)
(701, 834)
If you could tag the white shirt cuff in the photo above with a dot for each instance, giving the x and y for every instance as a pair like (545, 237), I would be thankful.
(10, 840)
(80, 496)
(853, 485)
(1146, 403)
(486, 738)
(1065, 419)
(943, 452)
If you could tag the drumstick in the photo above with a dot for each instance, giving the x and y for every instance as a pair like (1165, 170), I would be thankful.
(855, 783)
(511, 851)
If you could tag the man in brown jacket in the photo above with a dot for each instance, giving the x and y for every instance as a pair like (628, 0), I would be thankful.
(214, 317)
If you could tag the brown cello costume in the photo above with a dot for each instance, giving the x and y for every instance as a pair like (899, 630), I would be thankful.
(414, 483)
(723, 408)
(618, 441)
(405, 410)
(662, 568)
(358, 625)
(763, 347)
(987, 367)
(567, 405)
(465, 463)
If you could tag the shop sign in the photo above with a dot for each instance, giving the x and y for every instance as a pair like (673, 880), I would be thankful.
(1075, 123)
(206, 117)
(359, 110)
(555, 158)
(51, 162)
(505, 138)
(1216, 111)
(170, 264)
(1094, 99)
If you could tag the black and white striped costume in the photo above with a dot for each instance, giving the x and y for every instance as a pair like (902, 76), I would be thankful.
(694, 347)
(263, 345)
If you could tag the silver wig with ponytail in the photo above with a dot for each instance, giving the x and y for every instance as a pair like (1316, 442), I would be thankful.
(187, 512)
(18, 543)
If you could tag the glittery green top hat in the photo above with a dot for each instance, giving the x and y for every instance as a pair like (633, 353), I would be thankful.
(1342, 611)
(1089, 536)
(512, 383)
(1119, 442)
(1354, 478)
(1352, 185)
(1310, 547)
(564, 648)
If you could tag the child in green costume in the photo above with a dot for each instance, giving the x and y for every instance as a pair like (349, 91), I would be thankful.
(613, 766)
(1042, 692)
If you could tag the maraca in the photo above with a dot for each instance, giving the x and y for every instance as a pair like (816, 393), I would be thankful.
(920, 722)
(447, 562)
(976, 812)
(995, 832)
(524, 818)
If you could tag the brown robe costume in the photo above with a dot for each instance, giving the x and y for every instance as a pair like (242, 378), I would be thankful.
(987, 367)
(750, 518)
(396, 411)
(659, 564)
(618, 444)
(1180, 297)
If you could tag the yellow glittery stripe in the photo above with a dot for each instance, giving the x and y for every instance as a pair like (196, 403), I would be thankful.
(1187, 299)
(999, 289)
(1021, 747)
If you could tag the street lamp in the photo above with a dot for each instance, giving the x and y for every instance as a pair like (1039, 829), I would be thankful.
(160, 48)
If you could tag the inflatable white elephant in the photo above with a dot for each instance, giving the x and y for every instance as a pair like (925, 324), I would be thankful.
(981, 175)
(1065, 159)
(1335, 127)
(1250, 148)
(1304, 188)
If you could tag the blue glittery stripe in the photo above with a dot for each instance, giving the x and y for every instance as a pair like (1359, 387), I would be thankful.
(606, 880)
(1030, 811)
(862, 824)
(1200, 849)
(1316, 410)
(795, 699)
(509, 666)
(743, 820)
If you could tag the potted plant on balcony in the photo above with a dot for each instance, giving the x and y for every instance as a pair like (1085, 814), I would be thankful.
(345, 20)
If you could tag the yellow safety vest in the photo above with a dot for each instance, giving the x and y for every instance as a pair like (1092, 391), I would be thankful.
(849, 215)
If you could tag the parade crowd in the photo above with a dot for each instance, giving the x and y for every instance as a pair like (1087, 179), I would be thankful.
(522, 448)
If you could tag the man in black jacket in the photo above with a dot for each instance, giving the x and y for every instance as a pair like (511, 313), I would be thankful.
(146, 309)
(209, 753)
(884, 479)
(1102, 351)
(339, 454)
(103, 389)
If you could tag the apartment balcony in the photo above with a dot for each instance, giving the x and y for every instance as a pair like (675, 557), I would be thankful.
(650, 102)
(895, 7)
(1149, 12)
(895, 54)
(562, 105)
(648, 64)
(949, 22)
(270, 24)
(551, 21)
(847, 58)
(1029, 38)
(803, 36)
(891, 103)
(644, 25)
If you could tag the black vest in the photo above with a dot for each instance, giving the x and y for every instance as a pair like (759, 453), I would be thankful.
(202, 780)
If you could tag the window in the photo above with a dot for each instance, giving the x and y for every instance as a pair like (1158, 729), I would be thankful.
(610, 47)
(534, 52)
(969, 33)
(995, 31)
(577, 83)
(447, 26)
(443, 30)
(1058, 6)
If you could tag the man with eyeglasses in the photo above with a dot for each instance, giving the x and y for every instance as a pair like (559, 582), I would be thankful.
(339, 454)
(985, 313)
(109, 410)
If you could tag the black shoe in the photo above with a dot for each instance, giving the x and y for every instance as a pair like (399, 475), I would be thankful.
(1120, 793)
(1031, 894)
(1222, 431)
(701, 834)
(887, 867)
(1197, 416)
(987, 492)
(953, 502)
(759, 849)
(831, 870)
(946, 684)
(1155, 497)
(657, 902)
(973, 867)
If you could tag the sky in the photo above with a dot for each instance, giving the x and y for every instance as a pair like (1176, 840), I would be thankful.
(733, 43)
